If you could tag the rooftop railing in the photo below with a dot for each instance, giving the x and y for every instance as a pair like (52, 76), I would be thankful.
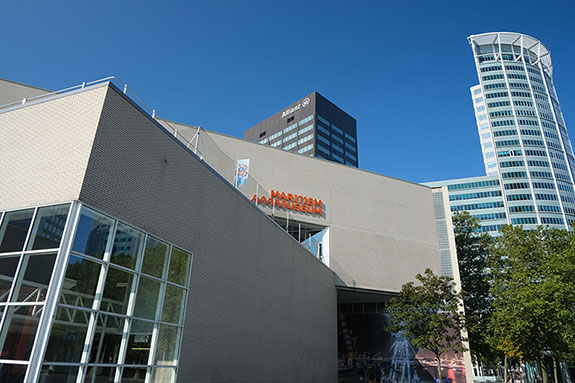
(123, 87)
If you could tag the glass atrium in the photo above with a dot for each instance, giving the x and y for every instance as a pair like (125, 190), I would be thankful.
(87, 298)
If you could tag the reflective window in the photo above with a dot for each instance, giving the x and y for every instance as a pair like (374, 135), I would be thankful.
(68, 335)
(12, 373)
(80, 282)
(139, 342)
(134, 375)
(163, 375)
(14, 229)
(127, 245)
(179, 266)
(155, 257)
(118, 313)
(117, 291)
(92, 233)
(36, 278)
(168, 341)
(19, 331)
(147, 298)
(107, 339)
(336, 157)
(48, 227)
(8, 267)
(100, 374)
(336, 129)
(349, 137)
(323, 120)
(57, 374)
(174, 302)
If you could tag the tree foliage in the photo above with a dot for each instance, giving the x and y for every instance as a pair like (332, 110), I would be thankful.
(472, 254)
(533, 274)
(429, 314)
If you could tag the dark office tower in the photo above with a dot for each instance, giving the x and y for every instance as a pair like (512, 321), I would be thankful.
(312, 126)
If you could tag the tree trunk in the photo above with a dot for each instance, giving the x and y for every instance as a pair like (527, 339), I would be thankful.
(555, 370)
(505, 369)
(544, 375)
(439, 369)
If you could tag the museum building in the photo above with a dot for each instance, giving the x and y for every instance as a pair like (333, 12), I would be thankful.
(128, 255)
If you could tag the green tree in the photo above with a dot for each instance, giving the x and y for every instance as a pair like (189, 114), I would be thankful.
(534, 293)
(472, 255)
(430, 315)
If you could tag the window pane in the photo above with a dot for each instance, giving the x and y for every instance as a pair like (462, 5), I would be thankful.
(117, 291)
(179, 266)
(127, 245)
(92, 233)
(107, 339)
(48, 227)
(38, 270)
(80, 282)
(139, 342)
(173, 310)
(147, 298)
(68, 336)
(58, 374)
(168, 342)
(163, 375)
(155, 257)
(8, 267)
(100, 374)
(12, 373)
(19, 331)
(134, 375)
(14, 229)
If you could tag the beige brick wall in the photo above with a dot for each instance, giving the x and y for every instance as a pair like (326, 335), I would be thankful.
(44, 149)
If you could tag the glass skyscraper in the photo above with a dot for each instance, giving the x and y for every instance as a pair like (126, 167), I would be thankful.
(527, 153)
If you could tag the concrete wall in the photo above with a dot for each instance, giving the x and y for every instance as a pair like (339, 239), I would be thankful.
(45, 147)
(383, 229)
(261, 308)
(11, 91)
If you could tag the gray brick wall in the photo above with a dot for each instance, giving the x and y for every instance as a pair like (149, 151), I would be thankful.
(261, 309)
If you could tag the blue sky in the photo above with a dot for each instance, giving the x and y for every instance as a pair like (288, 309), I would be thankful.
(402, 68)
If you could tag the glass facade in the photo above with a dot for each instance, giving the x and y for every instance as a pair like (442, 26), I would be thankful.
(87, 298)
(529, 149)
(297, 137)
(334, 144)
(316, 132)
